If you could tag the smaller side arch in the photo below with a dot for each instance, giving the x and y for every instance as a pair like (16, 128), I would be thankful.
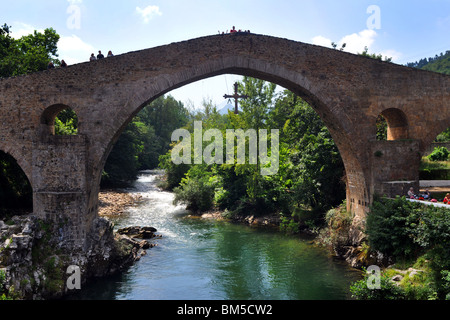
(16, 192)
(48, 117)
(397, 124)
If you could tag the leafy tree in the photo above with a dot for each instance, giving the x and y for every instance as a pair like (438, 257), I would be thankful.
(28, 54)
(388, 227)
(145, 139)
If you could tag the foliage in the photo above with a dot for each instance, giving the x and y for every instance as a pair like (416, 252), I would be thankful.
(366, 53)
(388, 291)
(142, 142)
(407, 230)
(381, 128)
(66, 123)
(309, 179)
(196, 190)
(444, 136)
(439, 154)
(389, 224)
(28, 54)
(438, 63)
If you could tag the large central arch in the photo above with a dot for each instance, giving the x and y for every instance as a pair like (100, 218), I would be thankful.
(315, 93)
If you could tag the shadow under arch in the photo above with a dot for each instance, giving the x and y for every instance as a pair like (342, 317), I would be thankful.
(397, 124)
(16, 193)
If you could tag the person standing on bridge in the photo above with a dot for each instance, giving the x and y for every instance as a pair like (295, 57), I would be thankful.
(447, 199)
(92, 58)
(100, 55)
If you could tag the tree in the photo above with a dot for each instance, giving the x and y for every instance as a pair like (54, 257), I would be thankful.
(28, 54)
(145, 139)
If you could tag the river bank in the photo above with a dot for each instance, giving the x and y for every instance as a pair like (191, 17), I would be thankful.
(114, 202)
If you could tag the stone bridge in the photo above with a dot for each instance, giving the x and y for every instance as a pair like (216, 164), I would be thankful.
(346, 90)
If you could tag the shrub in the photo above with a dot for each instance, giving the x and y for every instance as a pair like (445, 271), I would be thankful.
(389, 227)
(387, 291)
(439, 154)
(196, 193)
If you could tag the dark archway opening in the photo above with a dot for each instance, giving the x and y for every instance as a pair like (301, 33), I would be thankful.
(392, 125)
(16, 194)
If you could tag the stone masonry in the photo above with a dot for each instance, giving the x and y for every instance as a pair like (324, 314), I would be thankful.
(346, 90)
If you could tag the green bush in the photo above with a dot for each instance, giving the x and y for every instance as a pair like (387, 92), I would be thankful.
(387, 291)
(389, 224)
(196, 192)
(439, 154)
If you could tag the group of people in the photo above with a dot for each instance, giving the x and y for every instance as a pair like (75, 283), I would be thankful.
(52, 66)
(100, 55)
(426, 196)
(233, 30)
(93, 58)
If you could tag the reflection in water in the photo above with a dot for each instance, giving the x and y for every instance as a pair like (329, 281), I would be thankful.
(206, 260)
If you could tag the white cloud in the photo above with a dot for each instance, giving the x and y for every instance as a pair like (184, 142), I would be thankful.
(20, 29)
(148, 12)
(73, 50)
(322, 41)
(356, 43)
(395, 55)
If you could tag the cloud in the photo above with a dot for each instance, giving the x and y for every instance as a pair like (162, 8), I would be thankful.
(356, 42)
(20, 29)
(73, 50)
(322, 41)
(148, 13)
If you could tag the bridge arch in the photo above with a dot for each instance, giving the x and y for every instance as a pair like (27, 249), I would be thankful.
(47, 120)
(335, 119)
(397, 124)
(15, 187)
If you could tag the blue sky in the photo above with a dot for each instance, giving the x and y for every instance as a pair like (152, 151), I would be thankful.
(404, 30)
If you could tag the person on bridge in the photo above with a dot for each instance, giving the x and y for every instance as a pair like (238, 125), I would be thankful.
(426, 195)
(411, 194)
(447, 199)
(92, 58)
(100, 55)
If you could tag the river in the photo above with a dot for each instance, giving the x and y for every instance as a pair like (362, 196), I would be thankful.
(200, 259)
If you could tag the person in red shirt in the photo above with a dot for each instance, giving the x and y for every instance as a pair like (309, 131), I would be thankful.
(447, 198)
(233, 30)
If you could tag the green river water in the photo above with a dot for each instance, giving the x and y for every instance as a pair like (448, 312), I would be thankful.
(198, 259)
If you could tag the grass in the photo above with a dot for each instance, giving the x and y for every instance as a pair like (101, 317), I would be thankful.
(427, 164)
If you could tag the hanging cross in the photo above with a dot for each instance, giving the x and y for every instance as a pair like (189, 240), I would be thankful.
(235, 97)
